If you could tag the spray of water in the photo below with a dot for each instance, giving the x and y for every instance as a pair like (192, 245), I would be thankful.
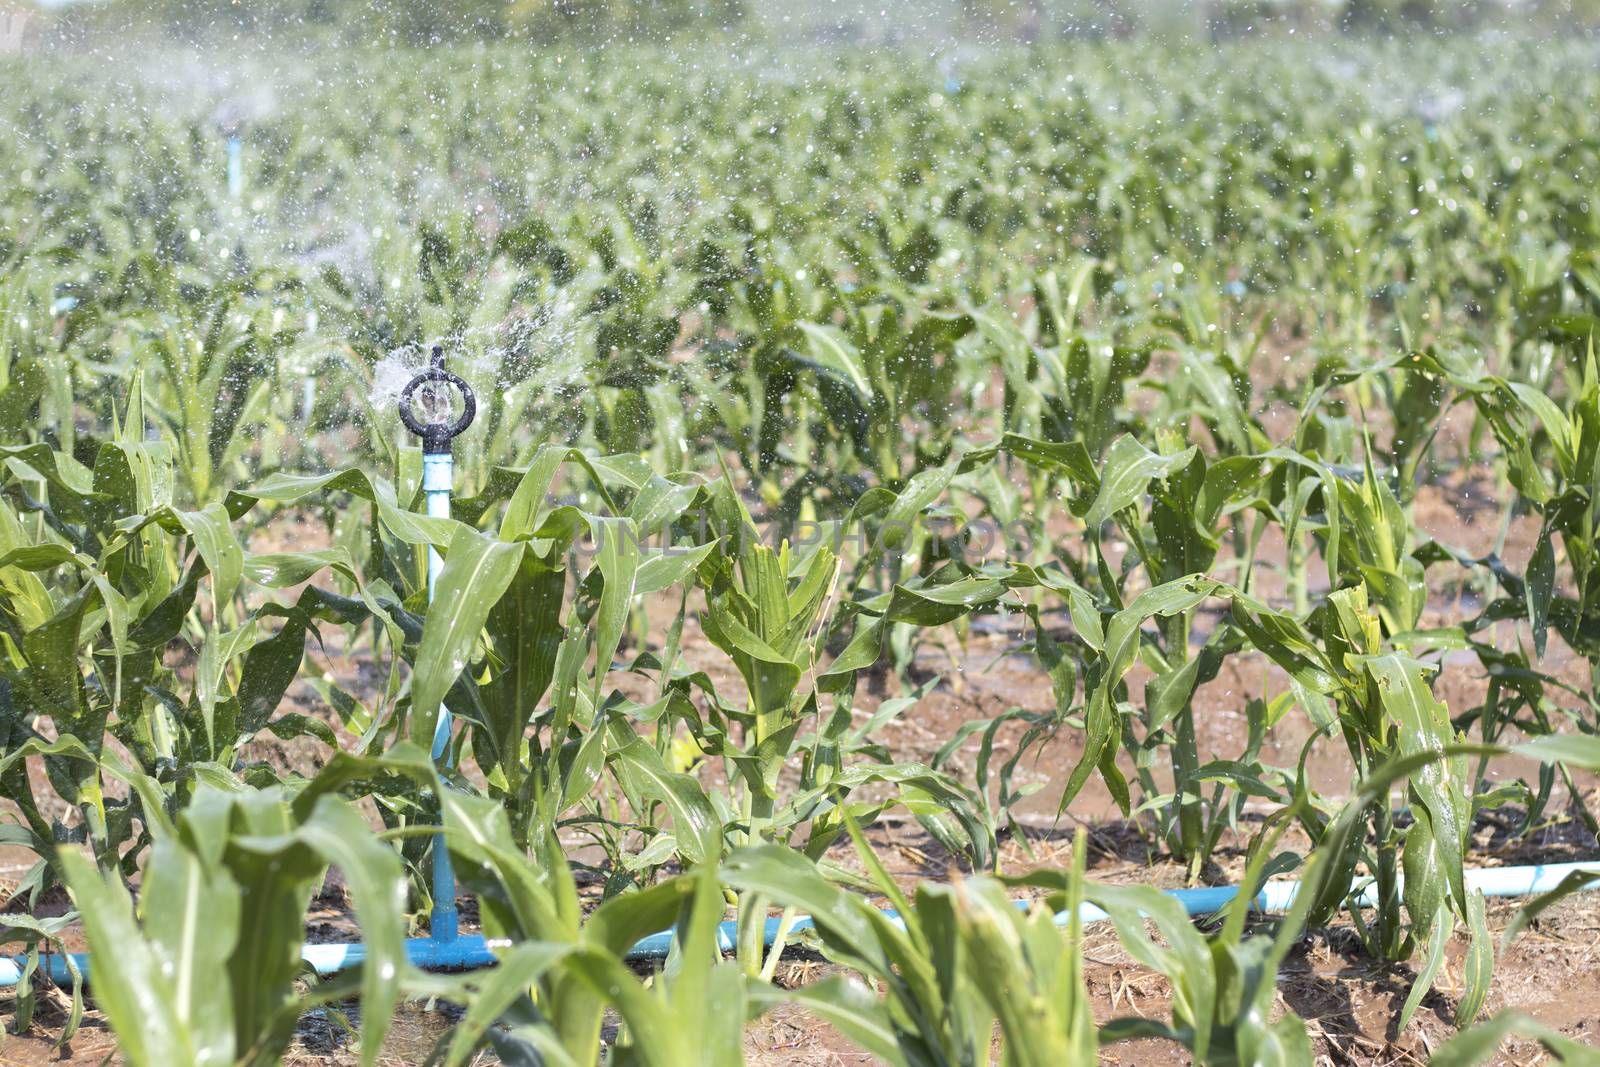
(534, 353)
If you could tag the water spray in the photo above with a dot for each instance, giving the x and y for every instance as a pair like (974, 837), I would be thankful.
(430, 394)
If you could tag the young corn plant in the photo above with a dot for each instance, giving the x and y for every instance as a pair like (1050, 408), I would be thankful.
(778, 614)
(513, 634)
(125, 622)
(764, 610)
(562, 969)
(205, 969)
(879, 369)
(1380, 699)
(210, 364)
(950, 964)
(1224, 984)
(101, 575)
(964, 969)
(1482, 1043)
(1170, 510)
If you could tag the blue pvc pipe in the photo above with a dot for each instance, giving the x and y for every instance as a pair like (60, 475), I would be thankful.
(235, 166)
(471, 951)
(438, 472)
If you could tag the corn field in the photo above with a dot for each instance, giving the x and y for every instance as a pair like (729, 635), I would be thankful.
(1244, 399)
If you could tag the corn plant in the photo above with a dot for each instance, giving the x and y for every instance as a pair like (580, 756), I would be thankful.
(206, 970)
(950, 965)
(1175, 542)
(768, 610)
(90, 652)
(564, 969)
(883, 368)
(1381, 701)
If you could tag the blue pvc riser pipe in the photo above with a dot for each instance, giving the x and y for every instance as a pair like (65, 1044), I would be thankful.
(438, 474)
(235, 167)
(471, 951)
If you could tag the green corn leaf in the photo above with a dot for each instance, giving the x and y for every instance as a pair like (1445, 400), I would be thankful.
(618, 563)
(1482, 1042)
(864, 649)
(789, 878)
(1426, 887)
(515, 899)
(1438, 936)
(847, 1006)
(1478, 968)
(408, 526)
(1424, 727)
(1574, 750)
(1540, 589)
(1185, 960)
(281, 570)
(900, 517)
(525, 629)
(833, 352)
(616, 925)
(490, 994)
(130, 985)
(477, 571)
(771, 676)
(1576, 882)
(695, 823)
(652, 1033)
(338, 834)
(1556, 425)
(1125, 478)
(522, 512)
(664, 570)
(212, 532)
(940, 604)
(192, 922)
(1118, 655)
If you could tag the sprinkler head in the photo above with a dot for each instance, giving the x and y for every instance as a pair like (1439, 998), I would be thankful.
(437, 432)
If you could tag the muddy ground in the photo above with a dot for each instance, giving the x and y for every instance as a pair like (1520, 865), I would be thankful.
(1349, 1000)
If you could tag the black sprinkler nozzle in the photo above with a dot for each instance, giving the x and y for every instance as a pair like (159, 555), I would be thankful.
(436, 436)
